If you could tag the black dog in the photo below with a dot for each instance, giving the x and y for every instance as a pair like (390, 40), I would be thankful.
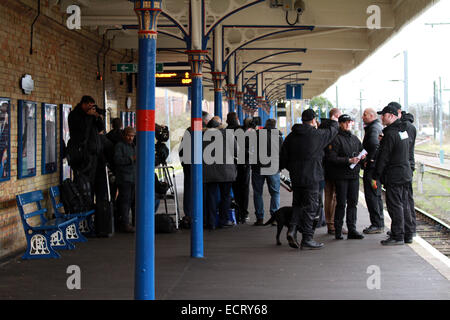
(283, 217)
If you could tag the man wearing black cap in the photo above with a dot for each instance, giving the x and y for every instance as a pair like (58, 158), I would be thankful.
(302, 154)
(393, 169)
(408, 120)
(342, 156)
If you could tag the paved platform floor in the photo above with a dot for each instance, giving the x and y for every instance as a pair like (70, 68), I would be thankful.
(242, 262)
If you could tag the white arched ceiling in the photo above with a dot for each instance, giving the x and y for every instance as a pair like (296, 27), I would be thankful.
(338, 42)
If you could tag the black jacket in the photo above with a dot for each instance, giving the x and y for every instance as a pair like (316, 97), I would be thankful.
(371, 142)
(408, 119)
(224, 169)
(124, 162)
(302, 153)
(392, 164)
(324, 124)
(84, 127)
(345, 146)
(277, 149)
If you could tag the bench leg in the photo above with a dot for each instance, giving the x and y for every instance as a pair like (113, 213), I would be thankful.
(59, 240)
(38, 247)
(73, 233)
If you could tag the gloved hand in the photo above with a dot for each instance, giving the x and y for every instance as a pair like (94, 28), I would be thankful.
(374, 184)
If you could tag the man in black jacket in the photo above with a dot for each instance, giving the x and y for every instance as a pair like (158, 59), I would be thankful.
(342, 156)
(373, 129)
(394, 170)
(302, 155)
(408, 120)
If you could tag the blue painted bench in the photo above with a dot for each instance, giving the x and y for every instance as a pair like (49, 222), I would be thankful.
(47, 235)
(84, 220)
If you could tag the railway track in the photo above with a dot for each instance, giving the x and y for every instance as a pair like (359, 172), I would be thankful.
(431, 154)
(434, 231)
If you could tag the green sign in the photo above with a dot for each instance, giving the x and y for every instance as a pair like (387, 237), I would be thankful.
(159, 67)
(127, 67)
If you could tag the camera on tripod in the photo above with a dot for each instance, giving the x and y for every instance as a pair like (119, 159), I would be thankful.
(161, 150)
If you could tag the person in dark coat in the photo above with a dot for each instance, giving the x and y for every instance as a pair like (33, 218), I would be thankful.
(85, 124)
(394, 170)
(408, 120)
(241, 187)
(125, 163)
(218, 173)
(329, 203)
(302, 154)
(373, 128)
(341, 155)
(259, 176)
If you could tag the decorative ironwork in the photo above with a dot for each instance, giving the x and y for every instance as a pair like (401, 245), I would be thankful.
(218, 78)
(147, 13)
(231, 91)
(38, 245)
(196, 60)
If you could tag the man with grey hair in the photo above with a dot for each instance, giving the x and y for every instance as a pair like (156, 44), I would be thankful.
(372, 129)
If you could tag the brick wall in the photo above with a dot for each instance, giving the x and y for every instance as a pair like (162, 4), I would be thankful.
(63, 66)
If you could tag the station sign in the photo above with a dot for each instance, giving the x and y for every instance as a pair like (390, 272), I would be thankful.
(173, 78)
(133, 67)
(294, 91)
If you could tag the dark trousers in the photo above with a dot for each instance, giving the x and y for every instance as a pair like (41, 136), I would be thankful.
(411, 207)
(241, 189)
(211, 203)
(373, 200)
(346, 201)
(399, 211)
(187, 197)
(125, 202)
(305, 209)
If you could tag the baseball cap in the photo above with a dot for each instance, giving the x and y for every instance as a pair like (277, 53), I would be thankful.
(394, 104)
(344, 118)
(389, 109)
(308, 115)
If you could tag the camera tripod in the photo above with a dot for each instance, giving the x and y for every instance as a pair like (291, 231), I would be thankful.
(170, 179)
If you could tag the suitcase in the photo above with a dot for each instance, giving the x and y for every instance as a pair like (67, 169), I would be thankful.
(104, 214)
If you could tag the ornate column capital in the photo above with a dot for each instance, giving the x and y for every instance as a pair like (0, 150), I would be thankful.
(239, 97)
(147, 13)
(196, 60)
(218, 78)
(231, 91)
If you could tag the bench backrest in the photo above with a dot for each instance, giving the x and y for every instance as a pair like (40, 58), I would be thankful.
(28, 198)
(54, 193)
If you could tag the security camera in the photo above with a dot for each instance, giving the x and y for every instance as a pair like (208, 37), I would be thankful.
(299, 6)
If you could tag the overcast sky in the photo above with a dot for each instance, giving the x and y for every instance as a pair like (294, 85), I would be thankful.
(428, 59)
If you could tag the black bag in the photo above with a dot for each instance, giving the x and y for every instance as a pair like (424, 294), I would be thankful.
(84, 188)
(164, 223)
(71, 197)
(104, 218)
(104, 212)
(185, 223)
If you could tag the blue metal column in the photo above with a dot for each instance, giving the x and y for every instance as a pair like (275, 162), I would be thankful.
(147, 12)
(196, 59)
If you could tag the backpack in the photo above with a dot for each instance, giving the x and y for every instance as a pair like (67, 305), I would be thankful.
(71, 197)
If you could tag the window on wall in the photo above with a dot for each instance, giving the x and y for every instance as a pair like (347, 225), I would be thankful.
(26, 158)
(5, 139)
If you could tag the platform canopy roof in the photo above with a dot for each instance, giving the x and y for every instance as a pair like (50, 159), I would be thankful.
(327, 40)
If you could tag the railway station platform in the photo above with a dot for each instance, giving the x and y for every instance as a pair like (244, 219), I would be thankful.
(240, 263)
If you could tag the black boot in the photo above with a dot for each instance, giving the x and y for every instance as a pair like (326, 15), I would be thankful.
(353, 234)
(292, 236)
(310, 244)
